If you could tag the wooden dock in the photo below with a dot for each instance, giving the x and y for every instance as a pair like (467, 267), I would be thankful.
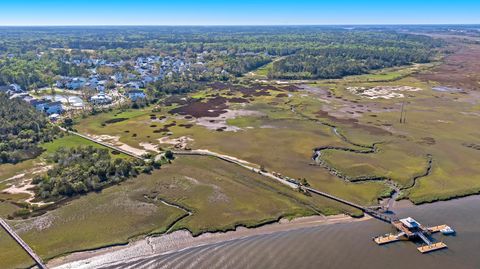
(410, 229)
(432, 247)
(436, 229)
(398, 225)
(382, 240)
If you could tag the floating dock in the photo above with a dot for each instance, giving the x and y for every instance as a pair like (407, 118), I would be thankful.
(432, 247)
(382, 240)
(436, 229)
(410, 229)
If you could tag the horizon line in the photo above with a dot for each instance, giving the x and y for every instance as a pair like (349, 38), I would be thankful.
(210, 25)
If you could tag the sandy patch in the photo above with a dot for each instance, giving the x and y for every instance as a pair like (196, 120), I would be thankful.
(192, 180)
(19, 176)
(136, 151)
(220, 122)
(22, 183)
(384, 92)
(149, 147)
(115, 141)
(340, 107)
(471, 113)
(38, 168)
(25, 187)
(180, 240)
(178, 143)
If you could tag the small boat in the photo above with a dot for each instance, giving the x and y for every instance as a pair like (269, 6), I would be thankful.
(447, 230)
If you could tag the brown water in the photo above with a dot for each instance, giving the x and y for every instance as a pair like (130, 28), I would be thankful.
(346, 245)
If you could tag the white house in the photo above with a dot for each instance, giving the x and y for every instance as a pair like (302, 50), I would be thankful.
(101, 99)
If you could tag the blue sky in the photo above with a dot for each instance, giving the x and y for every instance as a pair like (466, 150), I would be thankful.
(229, 12)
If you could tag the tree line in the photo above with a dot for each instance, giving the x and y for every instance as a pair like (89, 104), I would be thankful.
(40, 54)
(84, 169)
(22, 128)
(339, 61)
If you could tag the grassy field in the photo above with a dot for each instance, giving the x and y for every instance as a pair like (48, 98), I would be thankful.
(276, 127)
(390, 74)
(281, 140)
(437, 123)
(98, 219)
(261, 72)
(393, 161)
(219, 195)
(16, 173)
(224, 195)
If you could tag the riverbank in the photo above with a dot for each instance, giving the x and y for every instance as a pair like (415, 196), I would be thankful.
(183, 239)
(345, 245)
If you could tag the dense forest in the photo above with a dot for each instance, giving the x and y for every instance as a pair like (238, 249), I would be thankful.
(340, 61)
(84, 169)
(22, 128)
(31, 70)
(34, 56)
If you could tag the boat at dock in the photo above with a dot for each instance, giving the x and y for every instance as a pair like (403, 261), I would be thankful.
(447, 230)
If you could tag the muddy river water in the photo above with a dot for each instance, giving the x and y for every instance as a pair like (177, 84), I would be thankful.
(344, 245)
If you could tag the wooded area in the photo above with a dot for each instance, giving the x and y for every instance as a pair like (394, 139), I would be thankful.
(37, 55)
(83, 169)
(22, 128)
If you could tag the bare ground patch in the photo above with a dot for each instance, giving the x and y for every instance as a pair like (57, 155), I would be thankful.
(115, 141)
(220, 122)
(383, 92)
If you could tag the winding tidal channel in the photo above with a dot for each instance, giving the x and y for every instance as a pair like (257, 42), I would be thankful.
(364, 149)
(330, 245)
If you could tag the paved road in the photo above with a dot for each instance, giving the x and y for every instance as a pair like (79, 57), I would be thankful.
(22, 243)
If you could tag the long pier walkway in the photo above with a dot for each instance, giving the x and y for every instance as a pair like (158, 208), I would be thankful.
(199, 152)
(245, 164)
(22, 244)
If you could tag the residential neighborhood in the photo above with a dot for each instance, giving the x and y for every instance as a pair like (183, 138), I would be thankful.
(110, 80)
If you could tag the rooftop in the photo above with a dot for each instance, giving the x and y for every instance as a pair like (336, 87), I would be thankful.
(410, 223)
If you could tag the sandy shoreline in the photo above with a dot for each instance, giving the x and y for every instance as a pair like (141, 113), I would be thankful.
(180, 240)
